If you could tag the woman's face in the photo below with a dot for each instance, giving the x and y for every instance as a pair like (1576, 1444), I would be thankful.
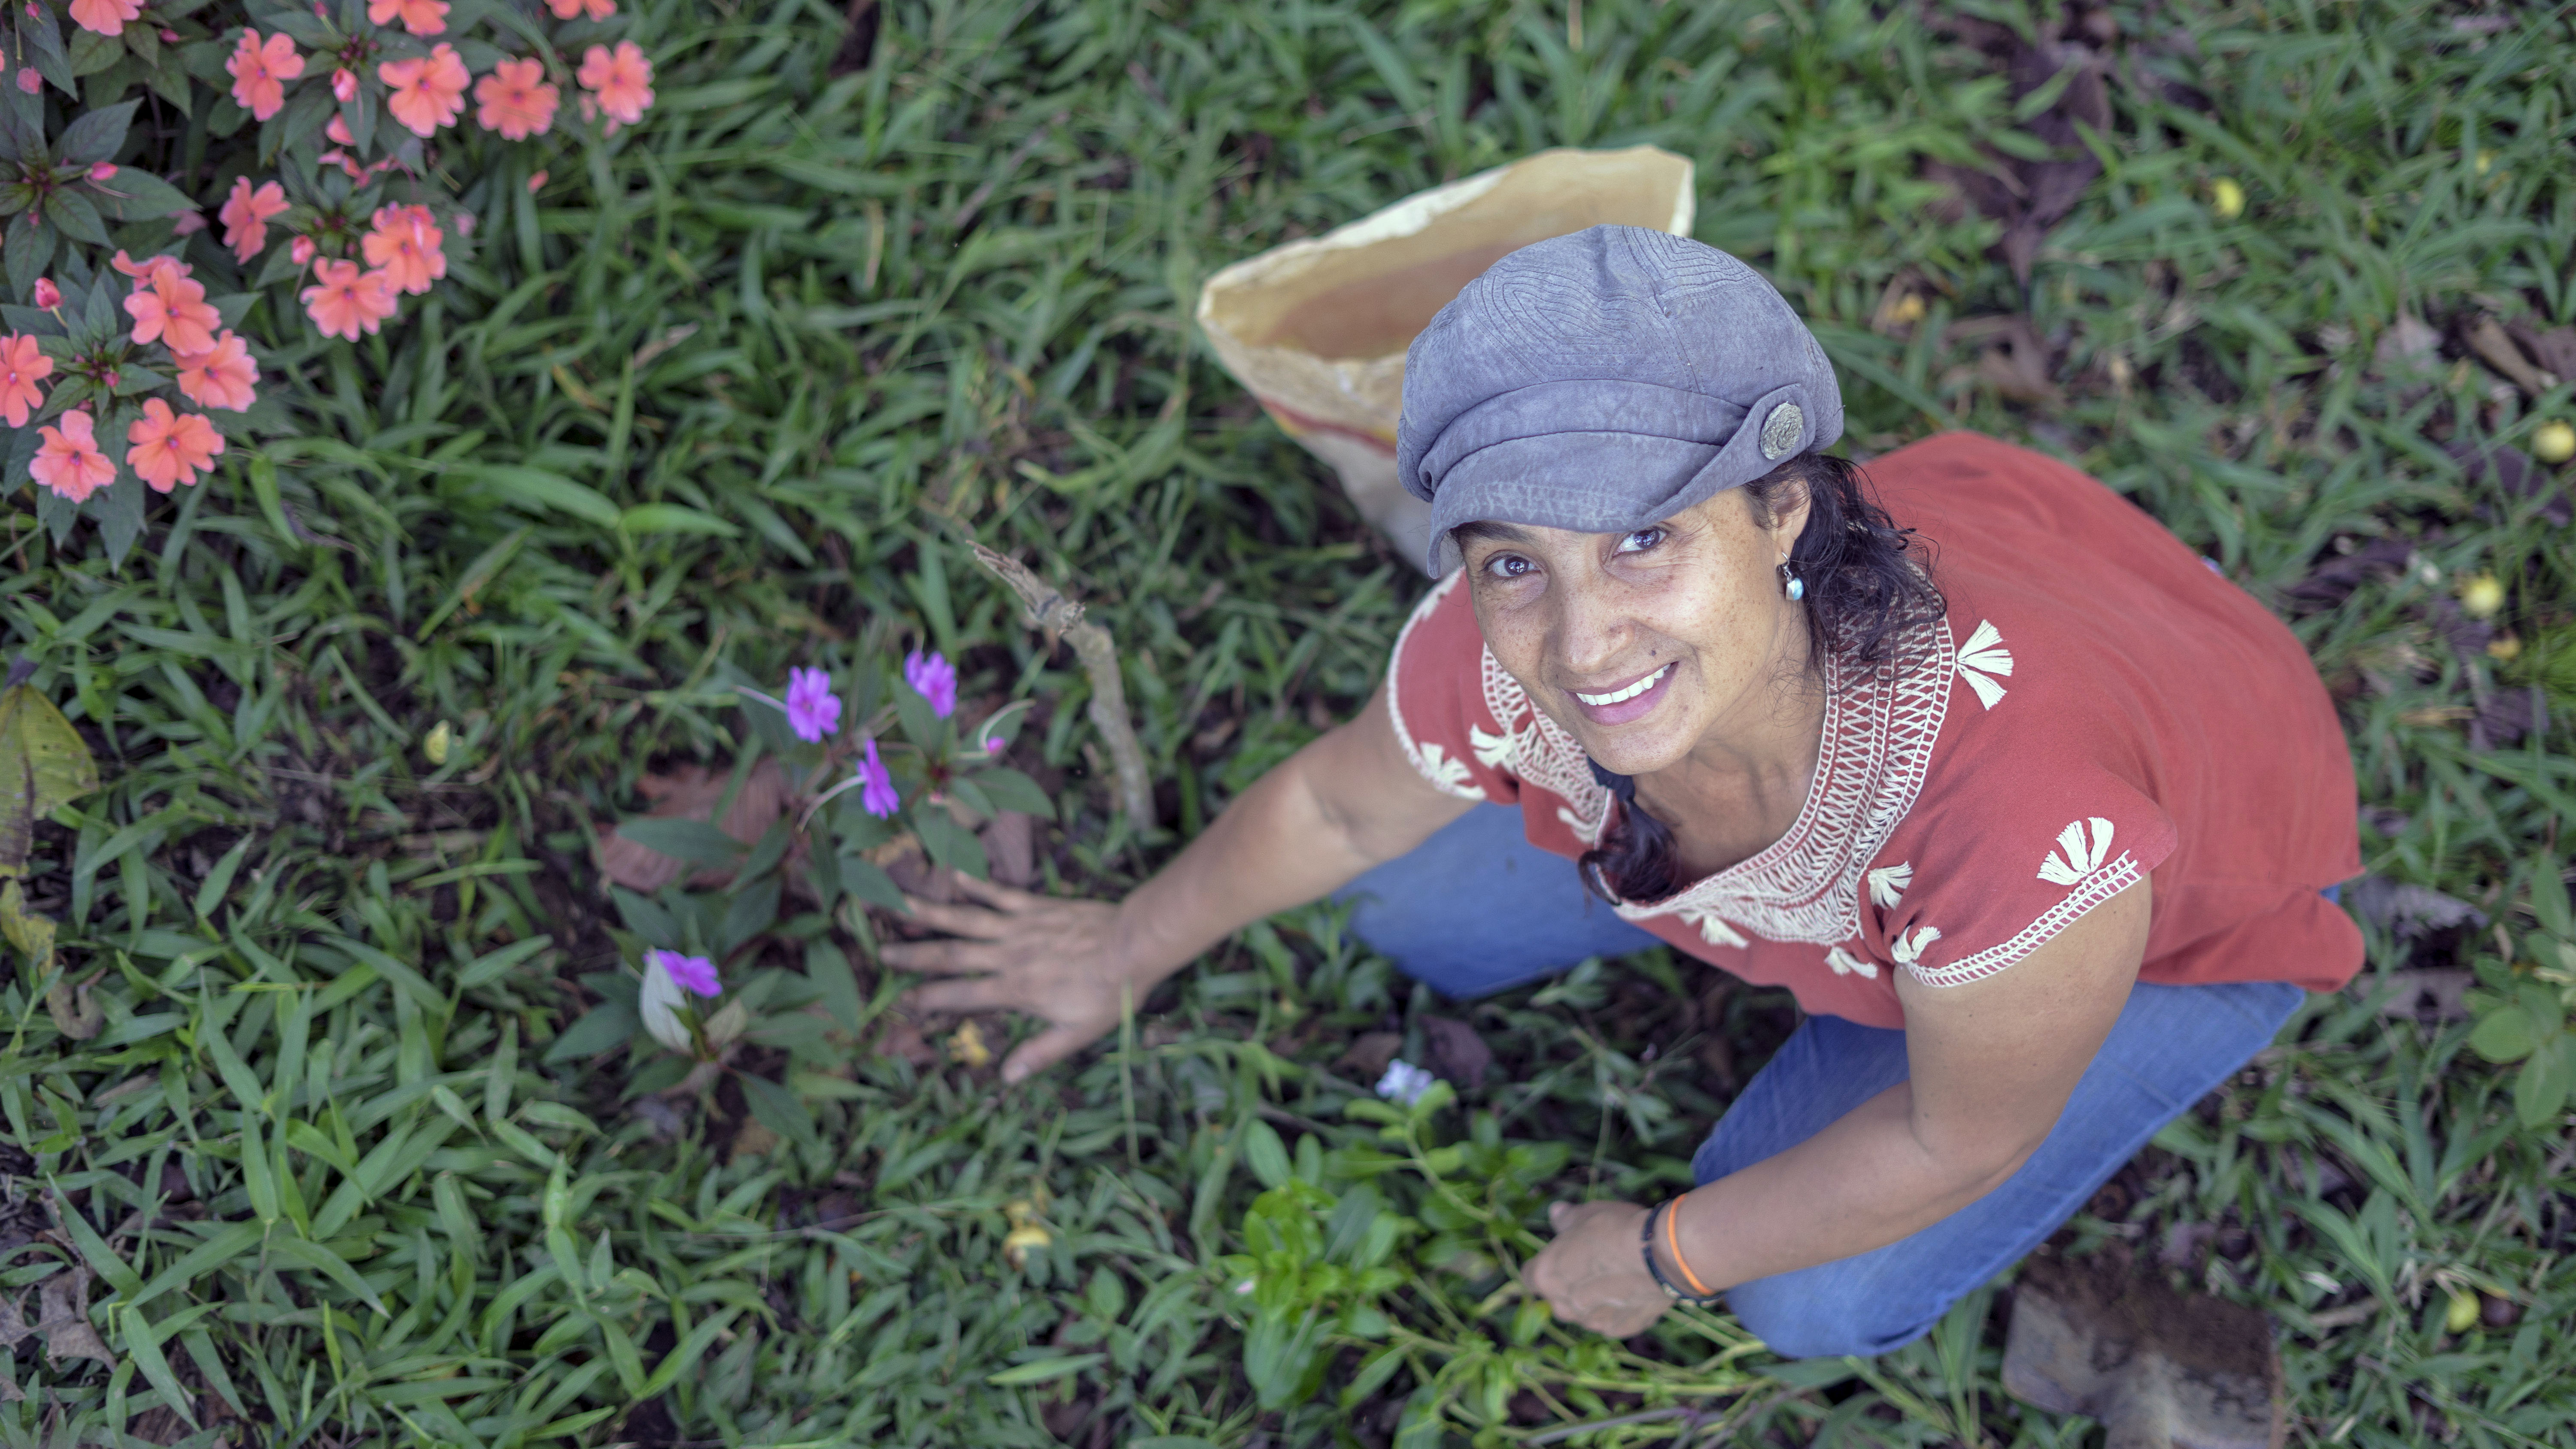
(1643, 644)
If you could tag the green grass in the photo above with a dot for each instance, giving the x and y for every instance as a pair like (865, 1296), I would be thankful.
(837, 324)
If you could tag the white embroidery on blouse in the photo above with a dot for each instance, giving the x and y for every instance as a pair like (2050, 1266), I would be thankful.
(1983, 655)
(1888, 882)
(2100, 886)
(2074, 859)
(1494, 752)
(1908, 948)
(1447, 774)
(1847, 964)
(1713, 930)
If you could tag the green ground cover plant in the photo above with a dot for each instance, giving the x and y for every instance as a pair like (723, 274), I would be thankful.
(308, 1143)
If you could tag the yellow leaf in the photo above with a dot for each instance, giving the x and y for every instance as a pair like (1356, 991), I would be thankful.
(43, 767)
(966, 1046)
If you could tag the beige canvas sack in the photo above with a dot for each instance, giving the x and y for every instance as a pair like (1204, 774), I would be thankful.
(1317, 328)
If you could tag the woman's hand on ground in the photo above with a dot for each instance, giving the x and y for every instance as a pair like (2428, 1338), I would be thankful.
(1592, 1274)
(1043, 955)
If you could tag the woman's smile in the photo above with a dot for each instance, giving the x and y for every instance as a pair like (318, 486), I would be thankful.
(1631, 701)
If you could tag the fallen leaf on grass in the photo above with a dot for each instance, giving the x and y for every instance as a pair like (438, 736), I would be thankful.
(2554, 350)
(2408, 351)
(903, 1039)
(64, 1320)
(1455, 1051)
(691, 793)
(2495, 348)
(1368, 1054)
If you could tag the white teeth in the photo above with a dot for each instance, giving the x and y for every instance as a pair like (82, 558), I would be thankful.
(1619, 696)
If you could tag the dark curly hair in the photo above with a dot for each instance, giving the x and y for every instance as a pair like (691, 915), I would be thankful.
(1863, 594)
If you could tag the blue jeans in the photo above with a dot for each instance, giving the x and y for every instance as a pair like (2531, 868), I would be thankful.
(1478, 909)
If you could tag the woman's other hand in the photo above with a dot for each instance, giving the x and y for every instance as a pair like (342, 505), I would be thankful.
(1045, 956)
(1592, 1274)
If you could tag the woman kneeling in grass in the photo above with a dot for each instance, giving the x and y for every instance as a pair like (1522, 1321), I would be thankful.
(2037, 815)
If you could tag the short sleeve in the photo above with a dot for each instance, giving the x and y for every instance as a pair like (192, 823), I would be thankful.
(1977, 882)
(1436, 697)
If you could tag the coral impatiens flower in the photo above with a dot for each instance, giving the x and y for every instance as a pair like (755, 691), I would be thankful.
(876, 790)
(813, 711)
(622, 80)
(222, 378)
(151, 266)
(246, 213)
(595, 9)
(107, 17)
(168, 307)
(428, 92)
(516, 101)
(23, 364)
(69, 462)
(405, 244)
(420, 17)
(48, 296)
(261, 69)
(347, 302)
(171, 448)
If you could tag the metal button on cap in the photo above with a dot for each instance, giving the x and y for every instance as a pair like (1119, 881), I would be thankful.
(1780, 430)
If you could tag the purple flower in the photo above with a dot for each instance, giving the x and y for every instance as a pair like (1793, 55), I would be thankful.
(694, 972)
(876, 788)
(813, 711)
(935, 678)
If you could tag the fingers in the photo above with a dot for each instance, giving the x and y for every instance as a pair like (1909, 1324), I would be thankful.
(958, 920)
(1045, 1050)
(994, 893)
(1556, 1212)
(973, 993)
(945, 957)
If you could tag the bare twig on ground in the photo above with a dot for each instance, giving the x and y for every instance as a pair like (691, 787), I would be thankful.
(1050, 610)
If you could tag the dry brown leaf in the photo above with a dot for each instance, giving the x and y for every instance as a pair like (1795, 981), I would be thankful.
(2554, 350)
(1010, 843)
(2015, 362)
(689, 793)
(1455, 1051)
(2408, 349)
(63, 1319)
(1368, 1055)
(13, 1324)
(2493, 347)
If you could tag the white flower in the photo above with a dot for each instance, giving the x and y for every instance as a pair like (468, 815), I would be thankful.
(1404, 1082)
(1908, 949)
(1889, 881)
(1984, 654)
(1846, 964)
(1711, 929)
(654, 1003)
(2078, 860)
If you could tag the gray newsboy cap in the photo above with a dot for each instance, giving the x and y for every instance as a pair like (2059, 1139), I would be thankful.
(1606, 380)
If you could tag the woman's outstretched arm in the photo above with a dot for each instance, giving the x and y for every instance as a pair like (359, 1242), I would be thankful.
(1342, 804)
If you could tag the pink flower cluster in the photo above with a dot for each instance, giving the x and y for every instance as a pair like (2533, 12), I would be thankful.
(428, 91)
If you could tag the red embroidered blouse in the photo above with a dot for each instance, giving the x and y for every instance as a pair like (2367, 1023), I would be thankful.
(2098, 705)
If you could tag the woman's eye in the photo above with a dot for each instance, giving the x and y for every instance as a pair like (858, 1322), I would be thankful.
(1508, 566)
(1642, 540)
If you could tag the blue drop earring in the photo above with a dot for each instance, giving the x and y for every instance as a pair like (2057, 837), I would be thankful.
(1790, 584)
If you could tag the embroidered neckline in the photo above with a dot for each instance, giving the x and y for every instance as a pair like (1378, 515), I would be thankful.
(1876, 746)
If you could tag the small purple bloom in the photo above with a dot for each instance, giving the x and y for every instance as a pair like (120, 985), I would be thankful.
(694, 972)
(813, 711)
(935, 678)
(876, 789)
